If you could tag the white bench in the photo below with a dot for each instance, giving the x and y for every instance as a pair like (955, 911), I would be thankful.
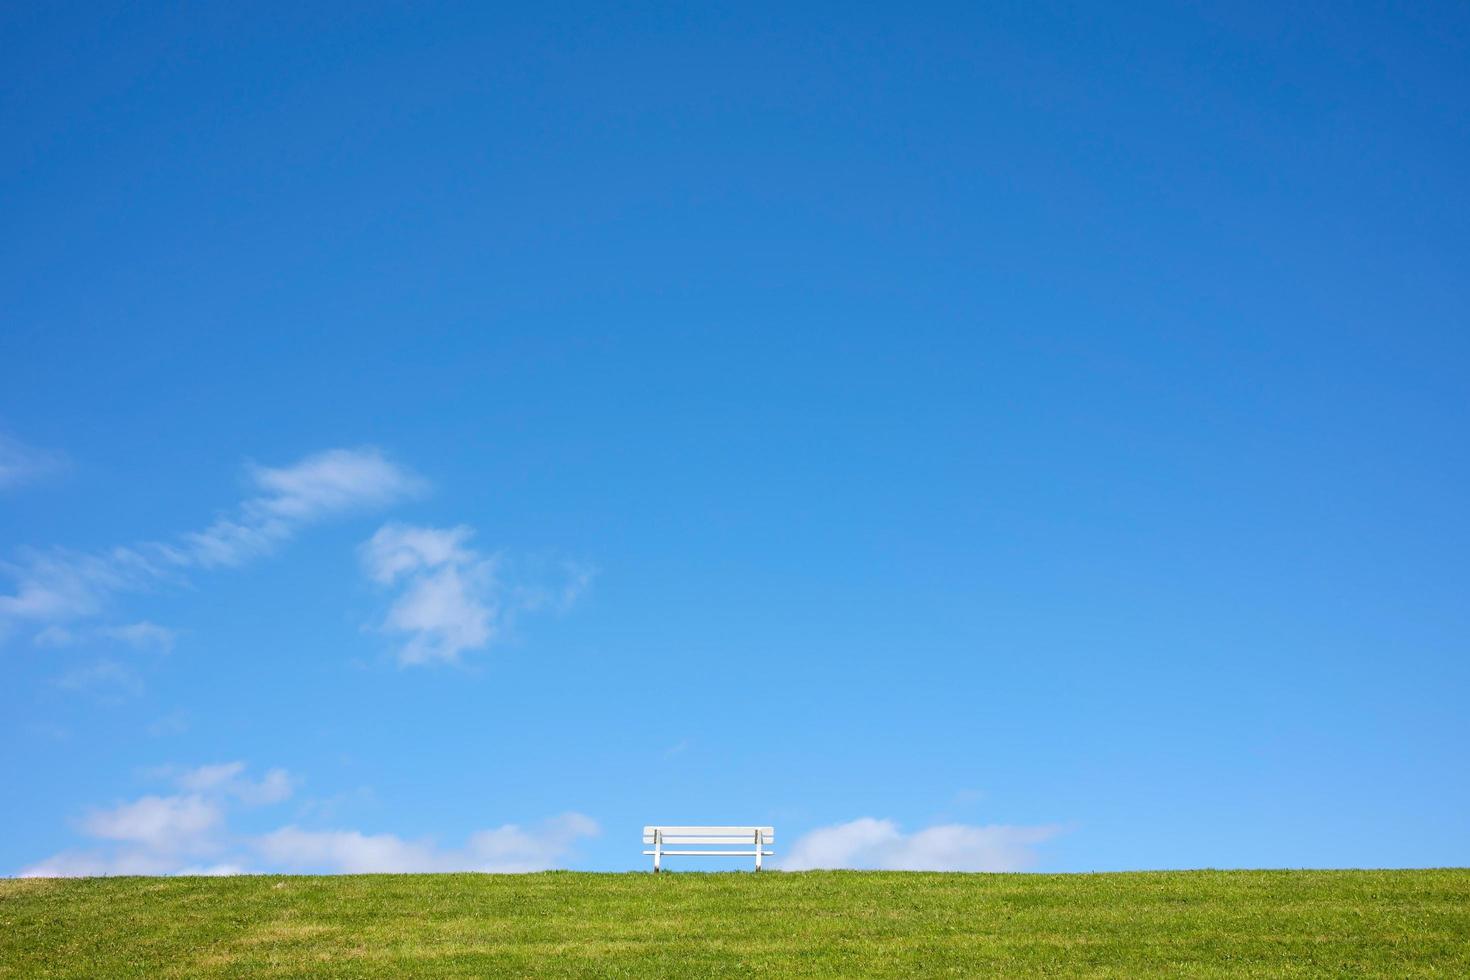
(755, 840)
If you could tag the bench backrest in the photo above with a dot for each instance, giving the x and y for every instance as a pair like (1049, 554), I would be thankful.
(708, 835)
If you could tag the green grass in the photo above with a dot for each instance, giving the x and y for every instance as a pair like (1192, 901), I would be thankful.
(1238, 923)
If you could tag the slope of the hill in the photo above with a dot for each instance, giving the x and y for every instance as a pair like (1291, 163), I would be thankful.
(1245, 923)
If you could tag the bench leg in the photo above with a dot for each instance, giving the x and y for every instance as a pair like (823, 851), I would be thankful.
(657, 850)
(759, 846)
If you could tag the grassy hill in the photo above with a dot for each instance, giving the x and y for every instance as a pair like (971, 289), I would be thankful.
(1245, 923)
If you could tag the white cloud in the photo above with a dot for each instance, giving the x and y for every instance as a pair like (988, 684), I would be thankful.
(336, 481)
(21, 464)
(180, 833)
(507, 849)
(347, 851)
(60, 586)
(124, 861)
(227, 543)
(399, 549)
(90, 864)
(229, 778)
(272, 788)
(188, 833)
(451, 598)
(444, 613)
(510, 848)
(211, 870)
(879, 844)
(162, 823)
(204, 778)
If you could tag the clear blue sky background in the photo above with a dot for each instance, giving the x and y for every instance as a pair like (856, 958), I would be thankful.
(1033, 415)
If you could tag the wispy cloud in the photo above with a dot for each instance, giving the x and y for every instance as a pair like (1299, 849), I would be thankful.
(54, 636)
(141, 635)
(173, 723)
(881, 845)
(229, 779)
(338, 481)
(60, 587)
(21, 464)
(106, 680)
(450, 598)
(188, 833)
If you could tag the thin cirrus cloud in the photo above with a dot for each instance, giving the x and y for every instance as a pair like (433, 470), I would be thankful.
(880, 845)
(142, 635)
(228, 779)
(21, 464)
(108, 681)
(333, 482)
(59, 586)
(187, 832)
(450, 598)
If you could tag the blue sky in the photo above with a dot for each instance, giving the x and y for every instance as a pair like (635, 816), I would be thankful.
(1043, 428)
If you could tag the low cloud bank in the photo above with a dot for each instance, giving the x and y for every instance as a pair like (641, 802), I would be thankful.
(187, 833)
(880, 845)
(505, 849)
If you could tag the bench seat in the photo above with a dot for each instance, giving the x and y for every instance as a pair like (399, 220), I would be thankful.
(696, 841)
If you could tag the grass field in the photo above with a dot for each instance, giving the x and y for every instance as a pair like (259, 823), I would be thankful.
(1243, 923)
